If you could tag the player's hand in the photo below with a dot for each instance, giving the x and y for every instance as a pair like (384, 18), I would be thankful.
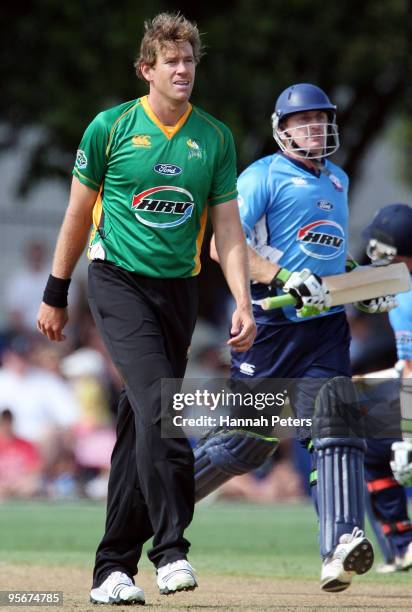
(51, 321)
(378, 305)
(401, 463)
(243, 330)
(310, 292)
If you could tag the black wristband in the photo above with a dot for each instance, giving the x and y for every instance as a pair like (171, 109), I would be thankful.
(55, 293)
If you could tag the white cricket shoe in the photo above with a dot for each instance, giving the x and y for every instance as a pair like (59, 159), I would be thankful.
(404, 563)
(400, 564)
(353, 555)
(118, 588)
(176, 576)
(387, 568)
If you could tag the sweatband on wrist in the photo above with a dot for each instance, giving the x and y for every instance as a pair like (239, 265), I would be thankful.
(280, 278)
(55, 293)
(350, 264)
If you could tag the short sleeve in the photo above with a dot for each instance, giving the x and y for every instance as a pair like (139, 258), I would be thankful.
(404, 344)
(253, 196)
(91, 159)
(224, 181)
(401, 321)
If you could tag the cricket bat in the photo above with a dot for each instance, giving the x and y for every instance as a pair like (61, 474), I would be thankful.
(362, 283)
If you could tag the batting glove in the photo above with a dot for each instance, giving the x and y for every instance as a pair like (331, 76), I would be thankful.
(401, 463)
(378, 305)
(310, 292)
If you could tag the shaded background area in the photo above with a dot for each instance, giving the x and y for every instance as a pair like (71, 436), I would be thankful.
(61, 63)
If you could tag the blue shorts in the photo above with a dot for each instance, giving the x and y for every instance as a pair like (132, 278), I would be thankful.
(316, 349)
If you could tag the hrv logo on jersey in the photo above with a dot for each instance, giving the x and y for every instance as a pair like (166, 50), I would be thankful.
(156, 211)
(322, 239)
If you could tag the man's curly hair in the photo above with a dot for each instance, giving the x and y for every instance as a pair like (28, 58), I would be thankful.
(165, 29)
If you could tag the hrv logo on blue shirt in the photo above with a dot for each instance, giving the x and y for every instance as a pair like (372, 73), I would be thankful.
(323, 239)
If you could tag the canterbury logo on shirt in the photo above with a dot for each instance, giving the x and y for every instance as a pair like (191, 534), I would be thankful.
(142, 140)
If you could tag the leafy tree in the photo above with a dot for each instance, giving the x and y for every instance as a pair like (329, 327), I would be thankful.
(61, 63)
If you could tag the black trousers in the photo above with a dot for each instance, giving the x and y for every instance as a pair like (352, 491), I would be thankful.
(147, 325)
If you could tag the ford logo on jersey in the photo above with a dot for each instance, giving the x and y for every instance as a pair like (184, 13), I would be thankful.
(169, 169)
(324, 205)
(322, 239)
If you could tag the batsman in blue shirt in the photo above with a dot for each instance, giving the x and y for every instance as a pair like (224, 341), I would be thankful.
(388, 463)
(294, 209)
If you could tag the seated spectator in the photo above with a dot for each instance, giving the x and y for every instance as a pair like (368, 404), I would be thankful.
(41, 402)
(94, 437)
(24, 290)
(20, 462)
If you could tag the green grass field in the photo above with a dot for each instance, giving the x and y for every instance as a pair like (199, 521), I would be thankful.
(227, 538)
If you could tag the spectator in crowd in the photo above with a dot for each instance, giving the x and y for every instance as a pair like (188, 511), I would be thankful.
(40, 401)
(25, 288)
(20, 461)
(94, 437)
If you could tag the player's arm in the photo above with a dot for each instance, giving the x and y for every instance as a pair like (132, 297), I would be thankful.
(311, 294)
(231, 250)
(407, 368)
(70, 245)
(261, 270)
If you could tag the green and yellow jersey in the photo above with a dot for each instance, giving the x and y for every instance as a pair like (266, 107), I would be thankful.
(155, 184)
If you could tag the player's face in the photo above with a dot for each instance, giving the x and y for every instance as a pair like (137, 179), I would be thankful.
(308, 130)
(172, 77)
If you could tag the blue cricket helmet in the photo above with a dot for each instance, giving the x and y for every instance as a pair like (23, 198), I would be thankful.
(392, 226)
(300, 98)
(303, 97)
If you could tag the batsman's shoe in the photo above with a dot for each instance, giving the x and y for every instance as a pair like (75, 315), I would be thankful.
(353, 555)
(387, 568)
(404, 562)
(401, 563)
(176, 576)
(118, 588)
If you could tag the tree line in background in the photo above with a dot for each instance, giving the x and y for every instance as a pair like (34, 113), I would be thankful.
(62, 62)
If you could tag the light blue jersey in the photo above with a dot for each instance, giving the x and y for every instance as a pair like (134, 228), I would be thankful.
(401, 321)
(294, 217)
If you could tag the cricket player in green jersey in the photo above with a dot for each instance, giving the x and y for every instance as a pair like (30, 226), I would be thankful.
(147, 174)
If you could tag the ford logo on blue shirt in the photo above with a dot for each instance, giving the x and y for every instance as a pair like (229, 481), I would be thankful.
(324, 205)
(168, 169)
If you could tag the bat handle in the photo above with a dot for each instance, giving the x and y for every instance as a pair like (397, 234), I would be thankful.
(278, 302)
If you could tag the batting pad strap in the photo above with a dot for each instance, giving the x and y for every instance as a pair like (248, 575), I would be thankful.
(397, 527)
(340, 489)
(324, 443)
(382, 484)
(338, 411)
(313, 478)
(226, 454)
